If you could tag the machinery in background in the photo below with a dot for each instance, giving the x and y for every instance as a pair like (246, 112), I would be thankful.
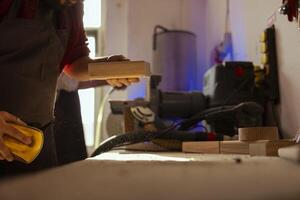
(175, 58)
(223, 115)
(267, 74)
(235, 95)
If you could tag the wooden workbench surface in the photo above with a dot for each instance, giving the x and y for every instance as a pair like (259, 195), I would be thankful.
(134, 176)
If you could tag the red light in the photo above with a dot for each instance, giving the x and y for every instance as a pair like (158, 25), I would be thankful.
(239, 71)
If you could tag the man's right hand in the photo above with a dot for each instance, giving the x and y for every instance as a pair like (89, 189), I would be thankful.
(7, 130)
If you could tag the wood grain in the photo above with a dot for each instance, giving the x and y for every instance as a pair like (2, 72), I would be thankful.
(234, 147)
(291, 153)
(116, 70)
(258, 133)
(268, 148)
(201, 147)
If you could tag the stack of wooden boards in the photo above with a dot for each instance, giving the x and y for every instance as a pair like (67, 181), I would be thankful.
(256, 141)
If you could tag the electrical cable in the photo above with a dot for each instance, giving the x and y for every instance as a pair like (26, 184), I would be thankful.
(250, 107)
(100, 116)
(236, 91)
(186, 124)
(202, 126)
(130, 138)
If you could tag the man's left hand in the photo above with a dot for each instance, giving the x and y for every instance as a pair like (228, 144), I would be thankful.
(123, 81)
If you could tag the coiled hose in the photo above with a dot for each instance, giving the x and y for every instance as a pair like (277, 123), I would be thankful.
(250, 108)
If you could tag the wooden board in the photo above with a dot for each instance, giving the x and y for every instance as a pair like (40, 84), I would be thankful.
(234, 147)
(291, 153)
(258, 133)
(268, 148)
(201, 147)
(115, 70)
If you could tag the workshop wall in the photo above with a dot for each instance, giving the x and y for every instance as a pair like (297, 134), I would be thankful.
(144, 15)
(248, 20)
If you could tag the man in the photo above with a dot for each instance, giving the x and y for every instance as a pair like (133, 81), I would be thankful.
(38, 39)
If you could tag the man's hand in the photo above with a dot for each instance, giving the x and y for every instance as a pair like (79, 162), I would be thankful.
(7, 130)
(79, 70)
(124, 81)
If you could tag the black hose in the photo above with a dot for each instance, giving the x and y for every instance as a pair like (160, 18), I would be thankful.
(133, 138)
(250, 108)
(120, 140)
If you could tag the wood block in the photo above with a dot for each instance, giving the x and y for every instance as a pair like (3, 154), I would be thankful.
(129, 120)
(291, 153)
(258, 133)
(268, 148)
(115, 70)
(201, 147)
(234, 147)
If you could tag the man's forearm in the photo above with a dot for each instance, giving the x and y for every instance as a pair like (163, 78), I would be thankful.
(79, 71)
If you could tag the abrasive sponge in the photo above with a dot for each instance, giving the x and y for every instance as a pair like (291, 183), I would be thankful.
(23, 152)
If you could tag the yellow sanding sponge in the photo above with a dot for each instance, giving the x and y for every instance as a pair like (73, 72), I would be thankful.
(23, 152)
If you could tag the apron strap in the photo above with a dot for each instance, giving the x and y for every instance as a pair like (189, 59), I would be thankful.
(13, 11)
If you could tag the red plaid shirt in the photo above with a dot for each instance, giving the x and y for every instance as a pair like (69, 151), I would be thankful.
(77, 46)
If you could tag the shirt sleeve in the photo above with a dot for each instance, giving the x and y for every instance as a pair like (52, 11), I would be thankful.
(77, 45)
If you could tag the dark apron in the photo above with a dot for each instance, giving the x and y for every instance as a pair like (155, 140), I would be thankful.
(30, 56)
(69, 135)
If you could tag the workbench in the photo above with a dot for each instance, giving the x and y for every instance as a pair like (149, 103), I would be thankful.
(164, 175)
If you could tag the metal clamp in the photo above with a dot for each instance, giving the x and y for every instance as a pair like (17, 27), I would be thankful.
(143, 114)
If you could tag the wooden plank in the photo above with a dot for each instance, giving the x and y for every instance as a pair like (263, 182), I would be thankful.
(268, 148)
(234, 147)
(291, 153)
(258, 133)
(201, 147)
(115, 70)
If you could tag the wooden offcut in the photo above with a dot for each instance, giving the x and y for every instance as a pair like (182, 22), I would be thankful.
(129, 124)
(117, 70)
(234, 147)
(201, 147)
(258, 133)
(291, 153)
(268, 148)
